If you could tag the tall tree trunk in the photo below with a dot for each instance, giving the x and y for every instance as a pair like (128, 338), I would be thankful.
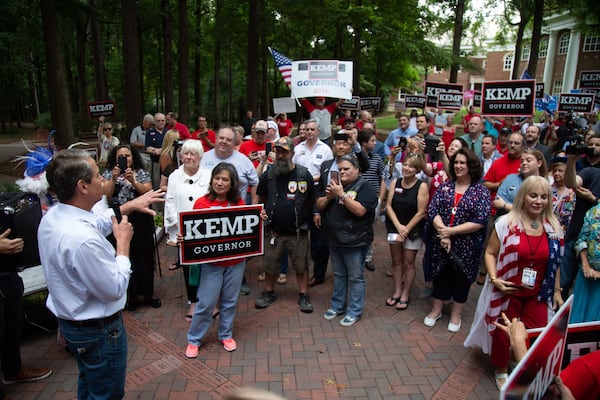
(217, 55)
(456, 39)
(60, 104)
(356, 64)
(229, 111)
(81, 29)
(167, 55)
(33, 87)
(253, 56)
(198, 60)
(97, 55)
(140, 60)
(519, 47)
(184, 56)
(131, 94)
(536, 33)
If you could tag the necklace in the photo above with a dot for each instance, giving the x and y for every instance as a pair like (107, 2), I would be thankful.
(534, 224)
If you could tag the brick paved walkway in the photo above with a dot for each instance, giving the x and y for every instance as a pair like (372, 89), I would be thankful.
(388, 354)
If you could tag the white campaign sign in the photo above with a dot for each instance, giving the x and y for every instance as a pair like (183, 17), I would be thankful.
(327, 78)
(284, 105)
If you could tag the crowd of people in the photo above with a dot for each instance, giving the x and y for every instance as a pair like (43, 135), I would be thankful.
(483, 204)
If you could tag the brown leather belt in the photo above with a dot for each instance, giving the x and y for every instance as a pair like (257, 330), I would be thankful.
(97, 322)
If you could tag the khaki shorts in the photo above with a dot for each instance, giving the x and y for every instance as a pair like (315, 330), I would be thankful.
(410, 244)
(297, 251)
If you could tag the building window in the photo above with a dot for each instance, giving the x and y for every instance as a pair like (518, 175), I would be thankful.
(563, 43)
(526, 52)
(591, 43)
(484, 64)
(437, 69)
(543, 50)
(556, 88)
(507, 62)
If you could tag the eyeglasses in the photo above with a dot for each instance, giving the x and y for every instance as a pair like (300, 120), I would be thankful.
(310, 129)
(107, 129)
(515, 143)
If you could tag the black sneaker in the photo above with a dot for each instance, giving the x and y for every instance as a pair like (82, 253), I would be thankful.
(266, 298)
(244, 289)
(369, 265)
(304, 303)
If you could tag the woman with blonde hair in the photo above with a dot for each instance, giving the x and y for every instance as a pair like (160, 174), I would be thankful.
(168, 160)
(522, 260)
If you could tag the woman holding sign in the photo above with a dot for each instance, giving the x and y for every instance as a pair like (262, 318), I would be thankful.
(522, 259)
(219, 281)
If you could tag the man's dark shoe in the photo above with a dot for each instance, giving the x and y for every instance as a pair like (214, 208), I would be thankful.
(27, 375)
(266, 298)
(314, 282)
(244, 289)
(369, 265)
(304, 303)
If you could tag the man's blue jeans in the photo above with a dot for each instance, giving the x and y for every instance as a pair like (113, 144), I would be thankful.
(218, 285)
(101, 354)
(348, 279)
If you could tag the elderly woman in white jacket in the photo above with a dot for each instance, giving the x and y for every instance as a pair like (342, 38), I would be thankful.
(186, 184)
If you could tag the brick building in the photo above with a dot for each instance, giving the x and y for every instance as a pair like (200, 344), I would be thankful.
(569, 50)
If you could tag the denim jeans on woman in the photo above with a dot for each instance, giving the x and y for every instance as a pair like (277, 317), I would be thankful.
(348, 279)
(218, 285)
(101, 354)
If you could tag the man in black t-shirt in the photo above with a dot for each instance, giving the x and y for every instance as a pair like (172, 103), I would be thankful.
(287, 191)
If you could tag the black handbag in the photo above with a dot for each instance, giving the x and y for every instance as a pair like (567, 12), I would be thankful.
(455, 262)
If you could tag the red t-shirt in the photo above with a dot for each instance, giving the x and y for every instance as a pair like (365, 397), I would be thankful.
(204, 202)
(253, 150)
(285, 127)
(582, 376)
(184, 132)
(210, 135)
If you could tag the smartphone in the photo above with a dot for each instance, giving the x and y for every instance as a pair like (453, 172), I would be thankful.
(122, 162)
(114, 204)
(268, 147)
(335, 177)
(431, 143)
(402, 143)
(392, 237)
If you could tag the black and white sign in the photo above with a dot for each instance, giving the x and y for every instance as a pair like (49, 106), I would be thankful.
(508, 98)
(105, 108)
(589, 80)
(577, 102)
(450, 100)
(477, 99)
(433, 88)
(415, 101)
(351, 104)
(539, 90)
(370, 103)
(219, 234)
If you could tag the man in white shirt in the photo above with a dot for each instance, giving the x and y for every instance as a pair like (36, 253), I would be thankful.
(87, 283)
(312, 152)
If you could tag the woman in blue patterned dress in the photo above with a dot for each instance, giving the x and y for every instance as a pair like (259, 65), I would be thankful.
(456, 220)
(586, 295)
(124, 185)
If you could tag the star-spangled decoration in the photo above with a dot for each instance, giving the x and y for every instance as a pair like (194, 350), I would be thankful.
(284, 64)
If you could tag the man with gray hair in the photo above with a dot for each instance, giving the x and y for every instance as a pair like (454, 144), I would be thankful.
(154, 139)
(138, 138)
(87, 277)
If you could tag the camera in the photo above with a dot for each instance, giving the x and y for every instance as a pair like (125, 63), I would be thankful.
(178, 143)
(577, 146)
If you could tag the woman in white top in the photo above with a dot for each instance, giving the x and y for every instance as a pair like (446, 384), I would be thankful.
(186, 184)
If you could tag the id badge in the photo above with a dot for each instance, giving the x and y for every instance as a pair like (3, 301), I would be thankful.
(528, 278)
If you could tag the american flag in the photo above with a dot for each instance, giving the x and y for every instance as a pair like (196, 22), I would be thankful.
(284, 64)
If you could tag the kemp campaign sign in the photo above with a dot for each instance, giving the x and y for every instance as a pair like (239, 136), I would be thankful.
(450, 100)
(327, 78)
(351, 104)
(539, 90)
(477, 99)
(219, 234)
(370, 103)
(433, 88)
(589, 79)
(104, 108)
(577, 102)
(508, 98)
(415, 101)
(582, 338)
(535, 372)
